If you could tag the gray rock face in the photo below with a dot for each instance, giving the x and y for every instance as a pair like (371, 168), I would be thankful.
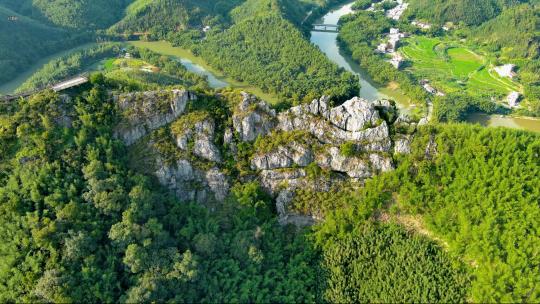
(284, 157)
(355, 167)
(147, 111)
(218, 183)
(253, 118)
(354, 115)
(283, 170)
(191, 184)
(275, 180)
(348, 122)
(402, 144)
(202, 133)
(431, 148)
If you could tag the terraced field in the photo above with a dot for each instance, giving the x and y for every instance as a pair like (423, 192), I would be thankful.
(452, 68)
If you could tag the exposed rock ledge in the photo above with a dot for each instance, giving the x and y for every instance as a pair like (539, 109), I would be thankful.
(283, 169)
(147, 111)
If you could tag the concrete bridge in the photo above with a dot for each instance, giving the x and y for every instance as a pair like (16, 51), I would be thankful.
(60, 86)
(326, 28)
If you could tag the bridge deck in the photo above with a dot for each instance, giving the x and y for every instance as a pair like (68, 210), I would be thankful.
(64, 85)
(325, 28)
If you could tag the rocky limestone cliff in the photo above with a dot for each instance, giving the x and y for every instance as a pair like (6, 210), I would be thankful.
(253, 118)
(193, 184)
(198, 132)
(146, 111)
(281, 162)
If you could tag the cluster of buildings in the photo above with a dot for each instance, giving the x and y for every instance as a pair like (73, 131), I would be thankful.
(390, 47)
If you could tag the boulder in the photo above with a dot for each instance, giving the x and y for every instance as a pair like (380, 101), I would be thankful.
(402, 144)
(354, 115)
(356, 120)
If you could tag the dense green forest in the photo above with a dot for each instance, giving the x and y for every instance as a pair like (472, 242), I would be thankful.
(262, 34)
(159, 18)
(83, 218)
(18, 39)
(281, 61)
(477, 195)
(73, 14)
(82, 225)
(469, 12)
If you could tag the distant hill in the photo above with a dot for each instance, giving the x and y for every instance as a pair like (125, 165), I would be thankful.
(72, 14)
(163, 16)
(262, 34)
(470, 12)
(24, 40)
(517, 30)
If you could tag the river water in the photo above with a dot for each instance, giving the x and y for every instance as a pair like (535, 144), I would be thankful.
(327, 42)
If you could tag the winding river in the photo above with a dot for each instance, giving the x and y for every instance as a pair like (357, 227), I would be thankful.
(327, 42)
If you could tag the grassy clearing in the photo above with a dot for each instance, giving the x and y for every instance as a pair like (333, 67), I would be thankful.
(452, 68)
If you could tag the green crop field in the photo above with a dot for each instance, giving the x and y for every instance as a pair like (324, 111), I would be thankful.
(452, 67)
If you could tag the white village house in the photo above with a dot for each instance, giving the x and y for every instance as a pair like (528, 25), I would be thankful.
(513, 99)
(506, 70)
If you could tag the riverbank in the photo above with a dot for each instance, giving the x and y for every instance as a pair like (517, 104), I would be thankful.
(199, 65)
(11, 86)
(328, 44)
(521, 123)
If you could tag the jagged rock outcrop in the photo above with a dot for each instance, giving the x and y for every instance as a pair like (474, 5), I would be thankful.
(354, 166)
(293, 154)
(253, 118)
(402, 144)
(201, 134)
(356, 120)
(312, 147)
(146, 111)
(192, 184)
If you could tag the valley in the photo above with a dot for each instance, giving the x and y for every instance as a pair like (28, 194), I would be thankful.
(270, 151)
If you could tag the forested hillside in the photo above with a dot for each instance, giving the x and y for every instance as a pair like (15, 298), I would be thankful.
(146, 185)
(162, 17)
(455, 221)
(25, 40)
(73, 14)
(254, 33)
(469, 12)
(477, 195)
(281, 61)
